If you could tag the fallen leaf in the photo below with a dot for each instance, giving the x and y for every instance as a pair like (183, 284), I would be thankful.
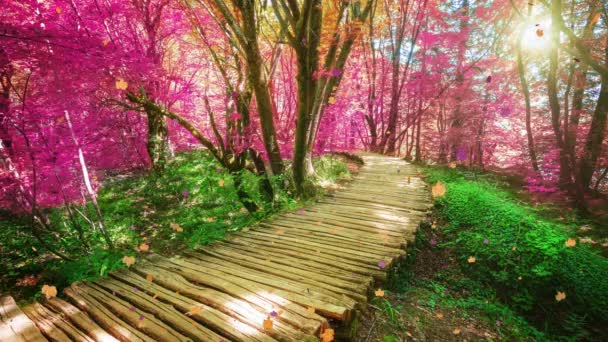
(327, 335)
(128, 260)
(176, 227)
(379, 293)
(267, 324)
(121, 84)
(439, 315)
(49, 291)
(149, 277)
(311, 309)
(570, 242)
(106, 42)
(221, 182)
(195, 310)
(471, 259)
(452, 165)
(559, 296)
(143, 247)
(456, 331)
(438, 190)
(58, 10)
(280, 231)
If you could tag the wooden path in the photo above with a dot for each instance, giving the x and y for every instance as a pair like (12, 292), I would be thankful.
(302, 271)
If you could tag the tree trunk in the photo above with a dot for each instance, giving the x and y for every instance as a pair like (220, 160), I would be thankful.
(158, 141)
(597, 131)
(457, 118)
(257, 78)
(521, 70)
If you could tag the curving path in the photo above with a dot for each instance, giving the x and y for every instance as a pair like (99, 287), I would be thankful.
(287, 279)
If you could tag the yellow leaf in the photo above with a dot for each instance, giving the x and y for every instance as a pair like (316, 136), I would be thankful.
(327, 335)
(49, 291)
(471, 259)
(149, 277)
(280, 231)
(176, 227)
(456, 331)
(452, 165)
(514, 248)
(267, 324)
(128, 260)
(559, 296)
(438, 190)
(331, 100)
(379, 293)
(144, 247)
(221, 182)
(311, 309)
(439, 315)
(570, 242)
(121, 84)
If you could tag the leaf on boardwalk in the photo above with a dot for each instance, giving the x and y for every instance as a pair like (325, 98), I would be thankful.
(128, 260)
(268, 324)
(49, 291)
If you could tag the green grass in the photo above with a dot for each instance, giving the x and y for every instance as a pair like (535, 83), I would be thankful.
(520, 254)
(193, 192)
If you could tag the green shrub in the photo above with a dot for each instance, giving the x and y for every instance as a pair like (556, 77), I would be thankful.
(519, 252)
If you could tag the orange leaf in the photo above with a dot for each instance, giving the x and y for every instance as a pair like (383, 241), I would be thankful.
(439, 315)
(143, 247)
(438, 190)
(456, 331)
(267, 324)
(49, 291)
(194, 311)
(379, 293)
(121, 84)
(559, 296)
(471, 259)
(221, 182)
(128, 260)
(149, 277)
(58, 10)
(595, 18)
(540, 32)
(452, 165)
(327, 335)
(176, 227)
(570, 242)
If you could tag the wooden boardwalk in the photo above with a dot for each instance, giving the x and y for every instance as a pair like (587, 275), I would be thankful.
(287, 279)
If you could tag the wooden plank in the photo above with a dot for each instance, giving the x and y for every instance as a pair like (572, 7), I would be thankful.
(104, 317)
(300, 263)
(78, 319)
(194, 302)
(164, 312)
(45, 320)
(229, 283)
(15, 324)
(324, 284)
(313, 254)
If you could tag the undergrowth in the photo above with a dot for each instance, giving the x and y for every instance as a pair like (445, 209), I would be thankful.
(192, 203)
